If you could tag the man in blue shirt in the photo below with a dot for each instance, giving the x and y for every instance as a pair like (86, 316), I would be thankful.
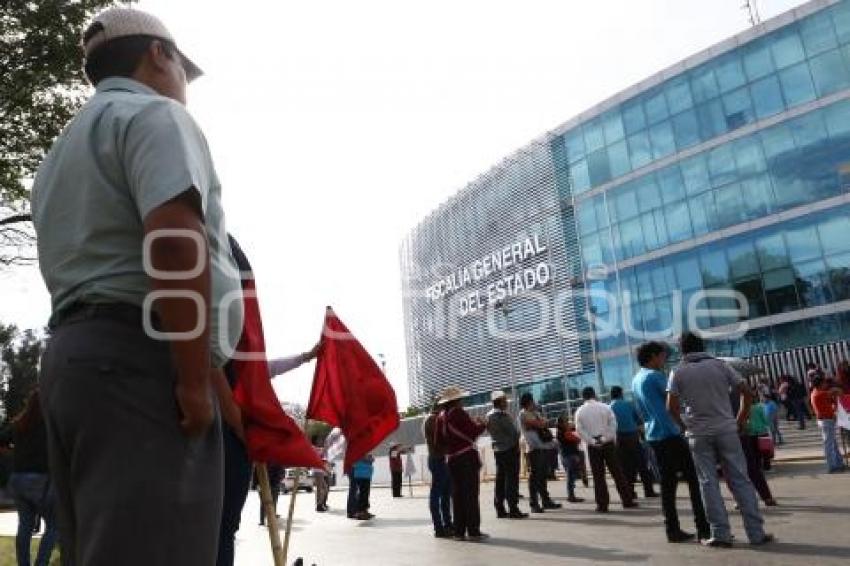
(649, 387)
(629, 450)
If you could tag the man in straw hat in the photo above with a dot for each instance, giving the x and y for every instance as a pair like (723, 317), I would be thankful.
(132, 246)
(456, 434)
(505, 437)
(439, 498)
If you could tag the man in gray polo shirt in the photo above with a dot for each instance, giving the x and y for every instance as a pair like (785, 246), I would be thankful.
(505, 436)
(699, 388)
(146, 308)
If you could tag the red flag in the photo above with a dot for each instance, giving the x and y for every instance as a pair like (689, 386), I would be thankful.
(270, 434)
(350, 391)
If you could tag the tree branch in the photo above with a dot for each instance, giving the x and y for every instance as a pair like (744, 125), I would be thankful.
(16, 219)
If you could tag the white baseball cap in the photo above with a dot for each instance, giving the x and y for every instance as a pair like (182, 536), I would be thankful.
(126, 22)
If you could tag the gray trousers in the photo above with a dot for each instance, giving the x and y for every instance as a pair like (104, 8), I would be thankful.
(131, 488)
(725, 449)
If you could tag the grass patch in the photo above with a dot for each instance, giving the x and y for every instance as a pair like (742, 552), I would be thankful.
(7, 552)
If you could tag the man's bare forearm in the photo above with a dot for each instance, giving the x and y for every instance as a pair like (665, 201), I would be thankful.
(178, 249)
(179, 314)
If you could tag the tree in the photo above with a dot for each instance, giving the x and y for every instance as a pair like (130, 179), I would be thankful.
(413, 412)
(41, 87)
(20, 353)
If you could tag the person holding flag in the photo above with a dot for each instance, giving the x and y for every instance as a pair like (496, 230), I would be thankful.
(249, 364)
(456, 434)
(351, 392)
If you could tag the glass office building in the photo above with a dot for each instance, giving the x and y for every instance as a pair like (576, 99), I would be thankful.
(728, 172)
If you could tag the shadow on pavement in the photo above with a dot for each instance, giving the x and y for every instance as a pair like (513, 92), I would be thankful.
(601, 521)
(802, 549)
(386, 523)
(783, 509)
(567, 550)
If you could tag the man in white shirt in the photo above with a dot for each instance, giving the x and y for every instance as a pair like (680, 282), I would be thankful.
(596, 424)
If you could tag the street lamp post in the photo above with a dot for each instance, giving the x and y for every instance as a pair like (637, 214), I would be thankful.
(503, 306)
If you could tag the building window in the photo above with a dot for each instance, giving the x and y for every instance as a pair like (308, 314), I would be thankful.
(780, 291)
(797, 85)
(818, 34)
(829, 73)
(767, 97)
(730, 72)
(787, 48)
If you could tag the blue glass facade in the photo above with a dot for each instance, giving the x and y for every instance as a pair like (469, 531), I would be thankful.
(731, 174)
(734, 175)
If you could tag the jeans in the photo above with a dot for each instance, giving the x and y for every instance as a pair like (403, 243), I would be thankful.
(834, 461)
(439, 499)
(358, 495)
(674, 458)
(507, 479)
(464, 470)
(572, 465)
(538, 476)
(726, 448)
(775, 433)
(800, 411)
(755, 466)
(237, 481)
(34, 497)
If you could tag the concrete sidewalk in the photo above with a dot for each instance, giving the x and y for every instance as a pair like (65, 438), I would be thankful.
(810, 524)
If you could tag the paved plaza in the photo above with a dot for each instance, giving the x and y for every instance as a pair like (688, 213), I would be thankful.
(810, 525)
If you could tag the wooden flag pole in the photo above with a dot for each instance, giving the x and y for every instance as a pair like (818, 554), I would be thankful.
(296, 480)
(278, 552)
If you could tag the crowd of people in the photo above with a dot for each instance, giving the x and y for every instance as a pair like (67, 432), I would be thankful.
(702, 422)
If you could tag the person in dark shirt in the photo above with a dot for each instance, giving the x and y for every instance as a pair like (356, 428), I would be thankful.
(439, 499)
(571, 456)
(30, 482)
(456, 435)
(396, 468)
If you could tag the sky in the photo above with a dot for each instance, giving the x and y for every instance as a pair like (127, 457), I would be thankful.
(337, 126)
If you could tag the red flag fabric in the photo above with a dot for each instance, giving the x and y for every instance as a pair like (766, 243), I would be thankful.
(270, 434)
(350, 391)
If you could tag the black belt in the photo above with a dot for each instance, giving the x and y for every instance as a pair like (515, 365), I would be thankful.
(119, 312)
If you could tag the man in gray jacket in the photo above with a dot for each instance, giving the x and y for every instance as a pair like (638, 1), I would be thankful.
(505, 438)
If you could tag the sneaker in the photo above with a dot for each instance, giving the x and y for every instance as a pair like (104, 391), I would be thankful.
(501, 513)
(716, 543)
(364, 516)
(768, 538)
(517, 514)
(441, 533)
(630, 505)
(478, 537)
(681, 536)
(552, 505)
(536, 509)
(574, 499)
